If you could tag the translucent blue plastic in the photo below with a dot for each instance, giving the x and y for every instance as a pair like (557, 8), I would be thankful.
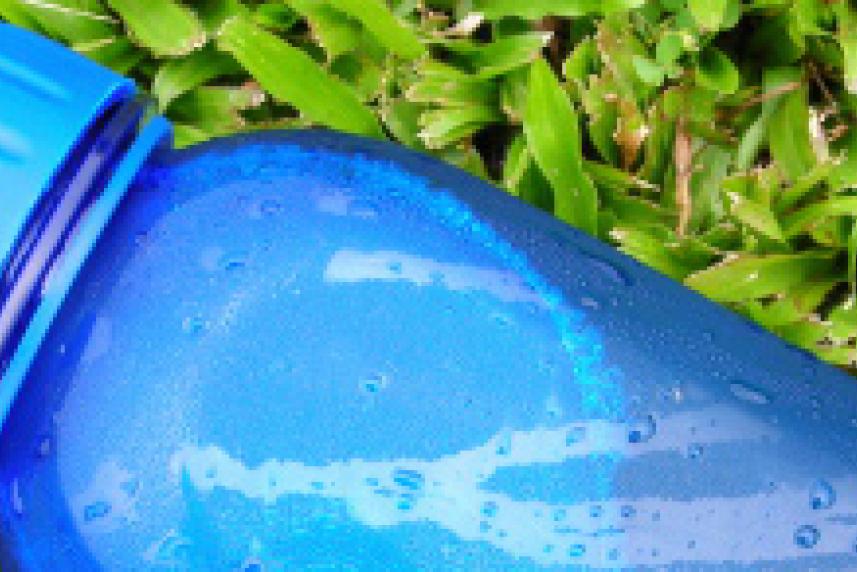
(305, 351)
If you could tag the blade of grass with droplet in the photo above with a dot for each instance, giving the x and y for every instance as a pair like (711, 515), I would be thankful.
(553, 137)
(381, 23)
(181, 75)
(749, 277)
(441, 127)
(165, 27)
(292, 76)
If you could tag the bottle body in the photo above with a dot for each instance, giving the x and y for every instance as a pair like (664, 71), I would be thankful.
(306, 350)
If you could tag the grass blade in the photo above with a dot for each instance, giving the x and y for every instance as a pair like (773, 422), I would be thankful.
(381, 23)
(553, 136)
(167, 28)
(180, 76)
(749, 277)
(290, 75)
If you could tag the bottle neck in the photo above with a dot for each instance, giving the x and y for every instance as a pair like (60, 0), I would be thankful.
(59, 212)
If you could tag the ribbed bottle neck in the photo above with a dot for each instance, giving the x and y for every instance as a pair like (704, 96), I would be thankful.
(59, 212)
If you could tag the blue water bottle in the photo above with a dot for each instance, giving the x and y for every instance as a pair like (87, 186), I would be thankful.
(309, 351)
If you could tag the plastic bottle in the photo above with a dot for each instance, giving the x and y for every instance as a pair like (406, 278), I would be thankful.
(304, 350)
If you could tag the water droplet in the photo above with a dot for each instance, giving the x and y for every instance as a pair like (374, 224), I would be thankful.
(806, 536)
(484, 526)
(548, 548)
(211, 472)
(553, 407)
(193, 325)
(674, 393)
(372, 481)
(96, 510)
(406, 502)
(235, 262)
(641, 429)
(489, 509)
(504, 443)
(576, 550)
(317, 485)
(575, 435)
(596, 511)
(822, 495)
(691, 544)
(395, 267)
(502, 319)
(409, 479)
(627, 511)
(559, 514)
(694, 451)
(748, 393)
(375, 383)
(613, 554)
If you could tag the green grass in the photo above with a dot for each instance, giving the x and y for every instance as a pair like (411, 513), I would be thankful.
(711, 139)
